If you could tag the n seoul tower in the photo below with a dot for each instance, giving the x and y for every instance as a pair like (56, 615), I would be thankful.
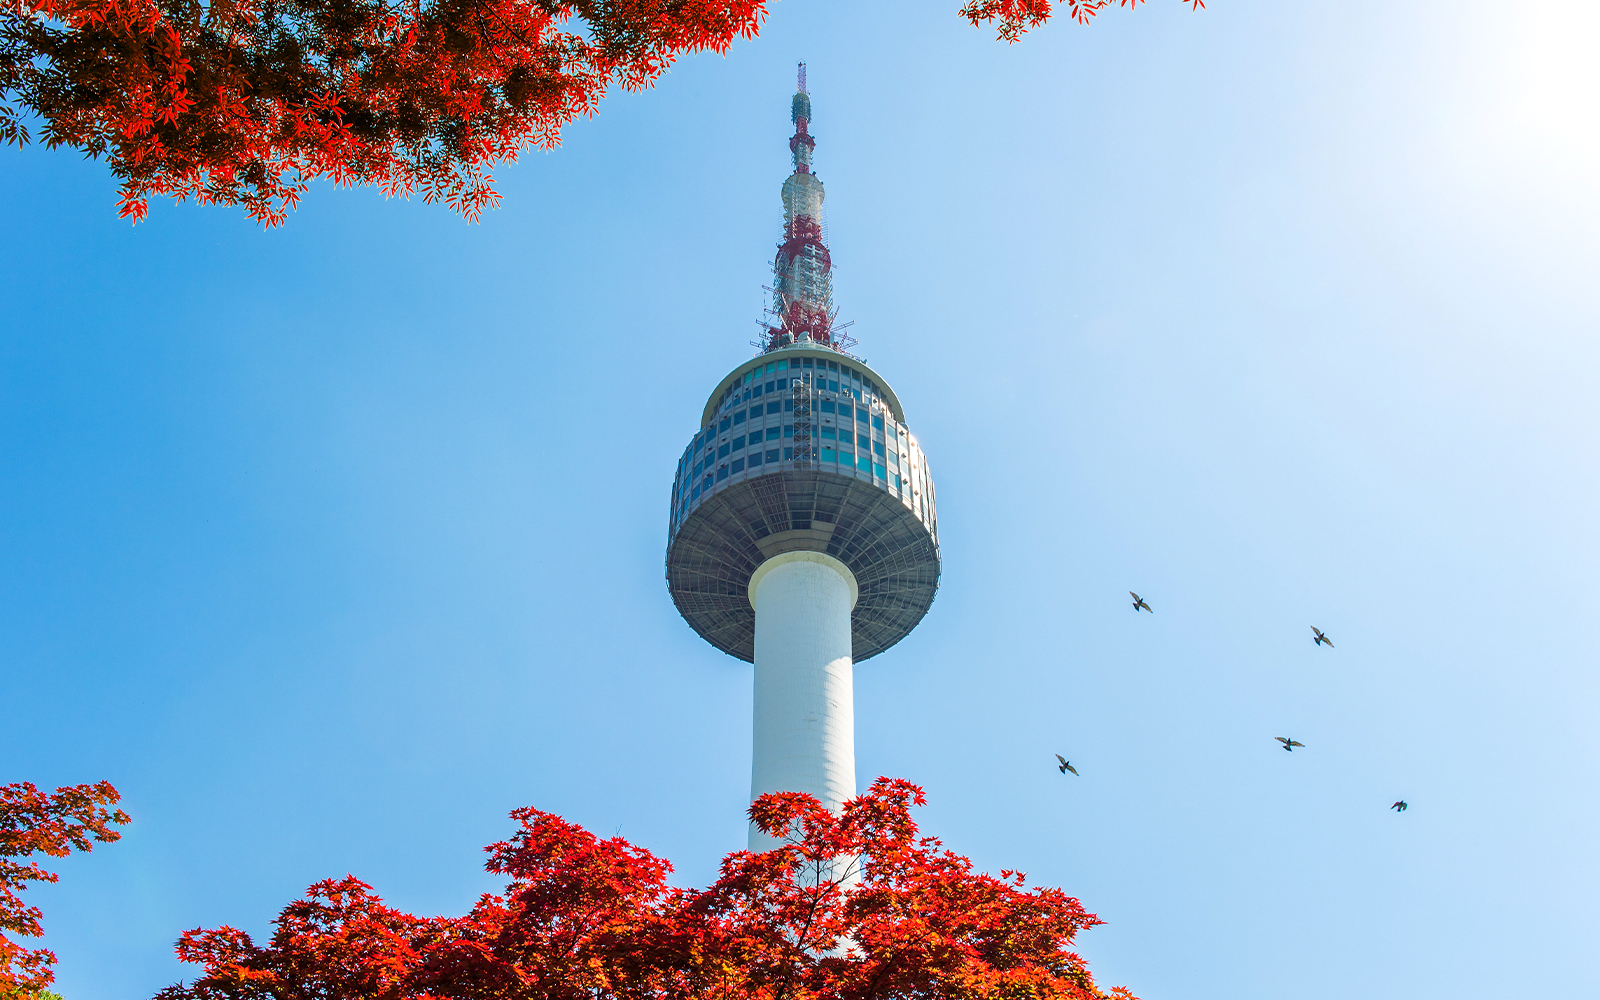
(803, 535)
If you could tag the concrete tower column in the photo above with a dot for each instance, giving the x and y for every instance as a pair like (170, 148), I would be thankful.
(804, 739)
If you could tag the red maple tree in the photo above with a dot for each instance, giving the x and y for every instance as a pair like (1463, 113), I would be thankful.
(1013, 18)
(855, 906)
(245, 102)
(55, 825)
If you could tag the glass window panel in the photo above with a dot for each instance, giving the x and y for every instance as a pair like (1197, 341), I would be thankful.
(772, 386)
(722, 473)
(864, 464)
(788, 430)
(755, 458)
(828, 433)
(738, 465)
(833, 366)
(722, 452)
(783, 366)
(863, 415)
(771, 367)
(864, 441)
(833, 386)
(788, 454)
(896, 480)
(773, 433)
(807, 362)
(726, 421)
(877, 422)
(738, 442)
(776, 407)
(738, 418)
(877, 446)
(829, 455)
(788, 405)
(879, 471)
(827, 406)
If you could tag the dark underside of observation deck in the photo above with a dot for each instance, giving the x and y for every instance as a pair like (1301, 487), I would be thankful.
(893, 556)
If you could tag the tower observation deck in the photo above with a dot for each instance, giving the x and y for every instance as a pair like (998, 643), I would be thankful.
(803, 534)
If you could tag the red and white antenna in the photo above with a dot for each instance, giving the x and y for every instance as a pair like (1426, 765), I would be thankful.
(802, 299)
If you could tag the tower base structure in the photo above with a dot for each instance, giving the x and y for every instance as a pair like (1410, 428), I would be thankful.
(804, 720)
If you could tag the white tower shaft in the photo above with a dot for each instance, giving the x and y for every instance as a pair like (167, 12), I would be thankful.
(804, 738)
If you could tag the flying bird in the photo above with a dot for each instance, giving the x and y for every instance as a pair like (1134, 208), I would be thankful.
(1320, 639)
(1400, 806)
(1138, 603)
(1288, 744)
(1065, 765)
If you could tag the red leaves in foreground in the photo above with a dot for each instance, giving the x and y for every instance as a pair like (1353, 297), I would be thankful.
(1015, 17)
(32, 822)
(244, 102)
(855, 906)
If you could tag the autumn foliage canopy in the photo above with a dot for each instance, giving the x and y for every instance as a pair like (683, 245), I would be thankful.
(55, 825)
(245, 102)
(855, 906)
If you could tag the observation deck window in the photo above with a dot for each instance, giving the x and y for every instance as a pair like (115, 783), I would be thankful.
(829, 455)
(772, 454)
(738, 418)
(788, 454)
(827, 433)
(738, 465)
(833, 386)
(877, 422)
(773, 433)
(722, 452)
(755, 459)
(864, 440)
(877, 446)
(833, 366)
(879, 471)
(777, 407)
(771, 386)
(722, 472)
(738, 442)
(807, 362)
(726, 422)
(827, 406)
(788, 430)
(863, 415)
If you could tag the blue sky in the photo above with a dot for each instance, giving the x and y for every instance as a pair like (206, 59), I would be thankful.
(330, 545)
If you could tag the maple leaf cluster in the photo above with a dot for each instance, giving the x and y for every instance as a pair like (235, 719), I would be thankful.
(855, 905)
(55, 825)
(244, 102)
(1013, 18)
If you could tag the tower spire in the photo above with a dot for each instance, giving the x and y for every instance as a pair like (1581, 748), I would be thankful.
(803, 270)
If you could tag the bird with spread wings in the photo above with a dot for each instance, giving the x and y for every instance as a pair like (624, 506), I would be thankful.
(1066, 765)
(1320, 638)
(1138, 603)
(1288, 744)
